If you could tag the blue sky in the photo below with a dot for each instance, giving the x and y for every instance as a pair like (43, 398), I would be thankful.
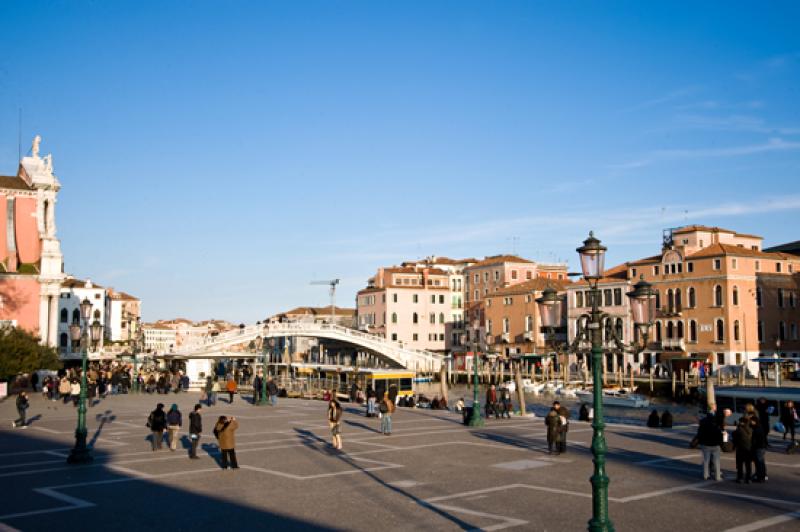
(217, 156)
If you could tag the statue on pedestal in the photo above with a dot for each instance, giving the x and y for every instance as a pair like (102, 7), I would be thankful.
(35, 147)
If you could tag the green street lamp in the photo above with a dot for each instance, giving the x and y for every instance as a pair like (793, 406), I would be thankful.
(475, 419)
(265, 348)
(80, 453)
(137, 345)
(550, 307)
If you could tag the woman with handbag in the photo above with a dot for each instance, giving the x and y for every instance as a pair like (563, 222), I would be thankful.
(334, 420)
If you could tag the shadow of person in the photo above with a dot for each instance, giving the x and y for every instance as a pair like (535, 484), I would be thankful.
(186, 442)
(213, 452)
(31, 420)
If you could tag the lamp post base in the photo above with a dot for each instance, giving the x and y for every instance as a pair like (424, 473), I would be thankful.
(80, 454)
(475, 419)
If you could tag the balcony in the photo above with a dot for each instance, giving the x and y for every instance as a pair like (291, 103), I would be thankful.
(506, 337)
(528, 336)
(674, 344)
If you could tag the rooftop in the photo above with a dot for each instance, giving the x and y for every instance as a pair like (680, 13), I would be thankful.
(708, 229)
(13, 182)
(500, 259)
(534, 285)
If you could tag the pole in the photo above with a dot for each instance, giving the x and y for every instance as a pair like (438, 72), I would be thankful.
(600, 521)
(520, 391)
(80, 453)
(475, 419)
(263, 399)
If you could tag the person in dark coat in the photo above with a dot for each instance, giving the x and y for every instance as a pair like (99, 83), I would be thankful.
(22, 404)
(583, 413)
(157, 421)
(789, 418)
(743, 443)
(174, 423)
(762, 407)
(653, 420)
(195, 429)
(257, 385)
(709, 438)
(759, 449)
(666, 420)
(272, 390)
(553, 423)
(565, 414)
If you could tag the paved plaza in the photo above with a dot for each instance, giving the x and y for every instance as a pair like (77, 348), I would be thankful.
(432, 473)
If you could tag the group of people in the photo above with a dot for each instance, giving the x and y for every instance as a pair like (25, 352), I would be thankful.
(557, 423)
(655, 421)
(498, 404)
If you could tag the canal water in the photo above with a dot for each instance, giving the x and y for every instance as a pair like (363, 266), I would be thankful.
(540, 404)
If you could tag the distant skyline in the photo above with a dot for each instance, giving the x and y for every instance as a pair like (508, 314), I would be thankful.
(216, 157)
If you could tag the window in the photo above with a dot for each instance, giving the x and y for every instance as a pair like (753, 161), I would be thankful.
(678, 302)
(497, 275)
(669, 330)
(477, 278)
(736, 330)
(618, 329)
(633, 272)
(63, 339)
(415, 298)
(718, 296)
(692, 331)
(758, 296)
(655, 270)
(529, 275)
(793, 328)
(488, 326)
(394, 298)
(780, 297)
(433, 298)
(690, 267)
(717, 264)
(415, 318)
(477, 295)
(441, 317)
(658, 331)
(578, 299)
(394, 337)
(441, 299)
(618, 296)
(679, 330)
(670, 301)
(528, 323)
(607, 297)
(64, 316)
(733, 264)
(758, 265)
(415, 337)
(658, 299)
(506, 325)
(735, 295)
(720, 331)
(792, 302)
(760, 331)
(76, 316)
(394, 317)
(720, 359)
(692, 298)
(485, 277)
(441, 337)
(488, 302)
(508, 300)
(782, 331)
(778, 267)
(432, 318)
(513, 274)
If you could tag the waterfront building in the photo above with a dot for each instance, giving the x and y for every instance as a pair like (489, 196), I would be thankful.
(158, 338)
(346, 317)
(721, 299)
(31, 263)
(72, 292)
(492, 274)
(123, 315)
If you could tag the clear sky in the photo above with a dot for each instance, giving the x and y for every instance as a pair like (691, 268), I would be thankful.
(215, 157)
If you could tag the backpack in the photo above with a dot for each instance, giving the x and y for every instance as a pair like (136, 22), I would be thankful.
(383, 408)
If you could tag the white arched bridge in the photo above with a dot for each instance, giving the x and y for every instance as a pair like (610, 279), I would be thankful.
(395, 352)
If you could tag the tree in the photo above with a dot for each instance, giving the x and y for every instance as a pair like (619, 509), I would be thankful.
(21, 352)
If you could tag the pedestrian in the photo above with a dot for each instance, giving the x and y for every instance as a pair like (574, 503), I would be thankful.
(157, 421)
(230, 386)
(22, 404)
(764, 410)
(666, 420)
(224, 431)
(195, 429)
(759, 450)
(64, 388)
(507, 404)
(215, 389)
(272, 390)
(565, 415)
(75, 391)
(583, 414)
(491, 402)
(335, 422)
(789, 419)
(653, 420)
(174, 423)
(553, 423)
(257, 383)
(386, 409)
(393, 393)
(371, 401)
(709, 438)
(743, 443)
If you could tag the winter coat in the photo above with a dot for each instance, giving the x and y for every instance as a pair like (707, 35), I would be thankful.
(231, 386)
(195, 423)
(225, 434)
(22, 402)
(272, 388)
(743, 436)
(64, 387)
(334, 413)
(708, 433)
(157, 420)
(553, 423)
(789, 417)
(174, 417)
(759, 438)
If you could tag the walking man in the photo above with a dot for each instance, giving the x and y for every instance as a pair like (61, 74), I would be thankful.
(174, 423)
(272, 390)
(709, 437)
(553, 423)
(157, 421)
(386, 409)
(789, 418)
(195, 429)
(565, 415)
(22, 407)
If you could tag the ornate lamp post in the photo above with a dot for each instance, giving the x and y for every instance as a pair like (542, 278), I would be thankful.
(592, 255)
(550, 305)
(266, 347)
(137, 345)
(475, 419)
(80, 453)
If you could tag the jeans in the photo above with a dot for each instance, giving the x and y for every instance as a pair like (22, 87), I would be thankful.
(195, 441)
(21, 420)
(158, 439)
(229, 454)
(761, 464)
(711, 452)
(371, 406)
(273, 400)
(386, 424)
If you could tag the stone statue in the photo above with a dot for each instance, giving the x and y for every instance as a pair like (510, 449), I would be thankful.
(35, 147)
(48, 162)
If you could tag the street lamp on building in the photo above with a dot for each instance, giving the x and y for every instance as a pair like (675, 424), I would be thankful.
(80, 452)
(642, 297)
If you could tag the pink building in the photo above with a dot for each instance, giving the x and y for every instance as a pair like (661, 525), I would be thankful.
(31, 264)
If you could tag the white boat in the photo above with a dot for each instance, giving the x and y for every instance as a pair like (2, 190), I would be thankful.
(616, 397)
(511, 386)
(567, 391)
(531, 387)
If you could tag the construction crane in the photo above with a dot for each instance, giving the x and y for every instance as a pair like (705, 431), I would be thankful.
(332, 291)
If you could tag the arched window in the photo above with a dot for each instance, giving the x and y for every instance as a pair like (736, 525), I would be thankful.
(678, 302)
(618, 329)
(441, 317)
(415, 318)
(692, 331)
(782, 331)
(505, 325)
(679, 330)
(692, 300)
(608, 329)
(63, 341)
(97, 314)
(736, 330)
(670, 302)
(76, 316)
(735, 295)
(658, 299)
(394, 317)
(64, 315)
(669, 330)
(720, 331)
(658, 331)
(718, 296)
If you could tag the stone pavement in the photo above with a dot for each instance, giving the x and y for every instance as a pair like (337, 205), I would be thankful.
(432, 473)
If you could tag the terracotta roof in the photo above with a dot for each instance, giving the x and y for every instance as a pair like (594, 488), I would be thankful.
(500, 259)
(13, 182)
(439, 260)
(534, 285)
(122, 296)
(370, 290)
(647, 260)
(692, 228)
(718, 250)
(431, 271)
(77, 283)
